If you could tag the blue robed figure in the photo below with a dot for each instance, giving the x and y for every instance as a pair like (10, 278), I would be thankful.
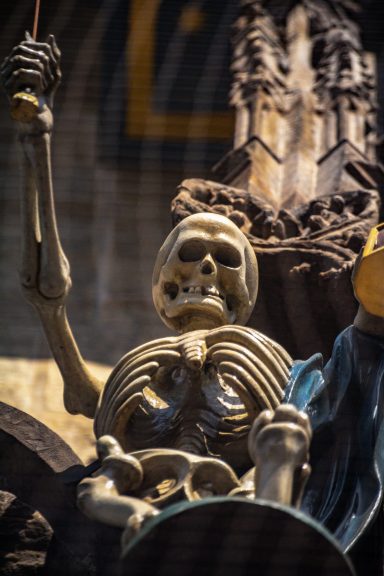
(345, 402)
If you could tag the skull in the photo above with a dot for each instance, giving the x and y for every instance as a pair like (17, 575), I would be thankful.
(205, 275)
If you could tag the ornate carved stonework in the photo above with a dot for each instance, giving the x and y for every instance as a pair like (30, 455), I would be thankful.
(305, 257)
(301, 181)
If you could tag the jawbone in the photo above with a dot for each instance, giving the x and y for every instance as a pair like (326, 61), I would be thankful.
(195, 311)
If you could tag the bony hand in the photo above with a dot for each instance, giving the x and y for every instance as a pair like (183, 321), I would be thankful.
(278, 444)
(280, 437)
(30, 76)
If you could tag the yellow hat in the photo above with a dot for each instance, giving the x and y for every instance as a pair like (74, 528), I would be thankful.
(368, 277)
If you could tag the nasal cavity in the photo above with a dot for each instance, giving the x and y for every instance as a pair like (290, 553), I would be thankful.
(207, 268)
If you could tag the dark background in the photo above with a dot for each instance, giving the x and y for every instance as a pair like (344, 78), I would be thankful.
(112, 189)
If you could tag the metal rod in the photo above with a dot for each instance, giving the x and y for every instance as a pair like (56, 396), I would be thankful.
(36, 19)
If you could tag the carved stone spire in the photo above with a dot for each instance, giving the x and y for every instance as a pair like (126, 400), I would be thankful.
(301, 86)
(301, 179)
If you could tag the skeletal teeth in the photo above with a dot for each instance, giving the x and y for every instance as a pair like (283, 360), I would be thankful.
(204, 290)
(212, 290)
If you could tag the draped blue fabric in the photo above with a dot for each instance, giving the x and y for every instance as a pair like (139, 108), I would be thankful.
(345, 403)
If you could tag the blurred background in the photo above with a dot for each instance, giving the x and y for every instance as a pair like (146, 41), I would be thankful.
(142, 105)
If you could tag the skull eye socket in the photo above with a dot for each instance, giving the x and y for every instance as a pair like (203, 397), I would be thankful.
(228, 256)
(192, 251)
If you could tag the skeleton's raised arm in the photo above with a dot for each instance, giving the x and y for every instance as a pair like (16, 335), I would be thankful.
(32, 70)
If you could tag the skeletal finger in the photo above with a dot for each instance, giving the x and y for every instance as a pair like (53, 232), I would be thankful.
(304, 421)
(27, 49)
(4, 63)
(22, 78)
(21, 62)
(301, 477)
(46, 54)
(18, 51)
(108, 446)
(305, 472)
(289, 413)
(55, 50)
(40, 47)
(287, 437)
(125, 470)
(286, 412)
(264, 418)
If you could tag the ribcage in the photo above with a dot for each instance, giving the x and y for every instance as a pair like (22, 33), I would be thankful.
(197, 392)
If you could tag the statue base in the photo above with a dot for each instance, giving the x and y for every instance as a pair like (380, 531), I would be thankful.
(223, 536)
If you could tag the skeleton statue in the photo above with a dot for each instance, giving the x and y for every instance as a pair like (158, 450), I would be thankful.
(185, 402)
(186, 416)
